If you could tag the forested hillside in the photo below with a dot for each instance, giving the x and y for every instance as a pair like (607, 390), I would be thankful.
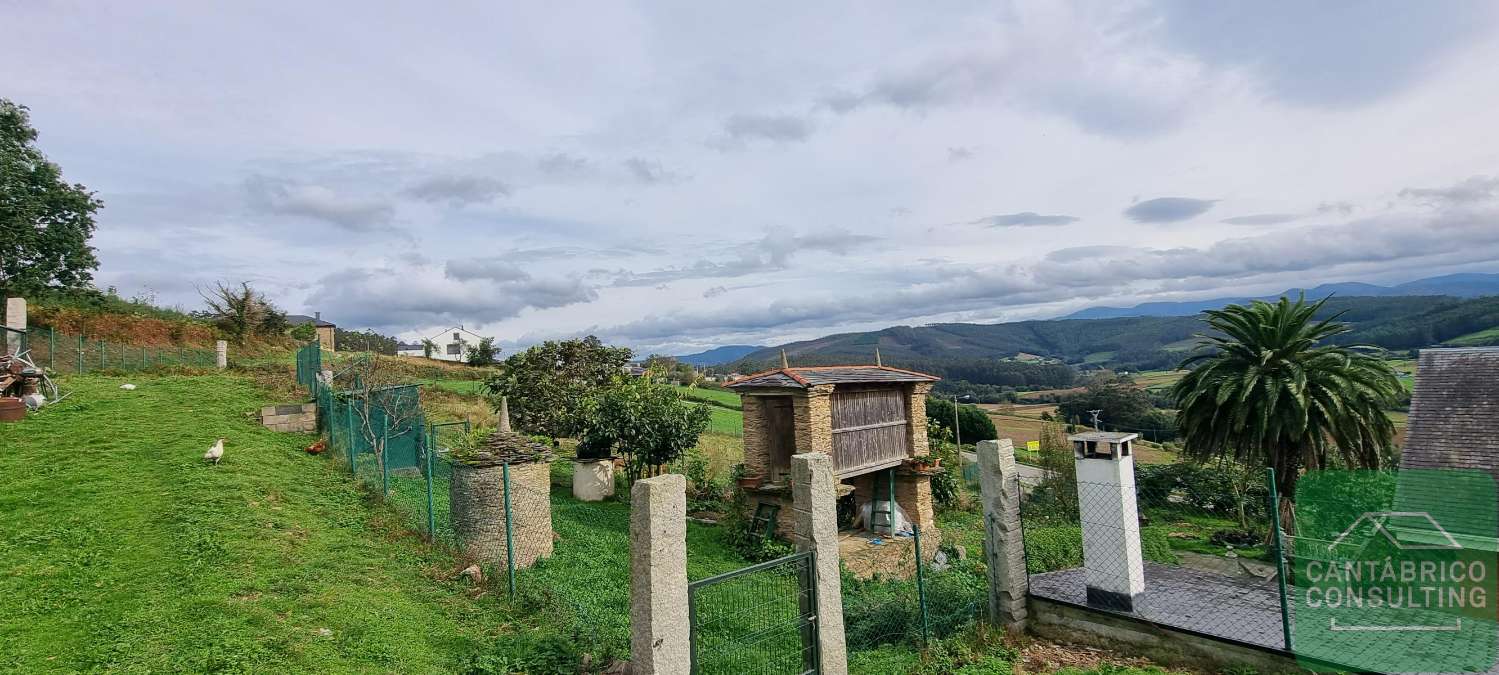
(974, 352)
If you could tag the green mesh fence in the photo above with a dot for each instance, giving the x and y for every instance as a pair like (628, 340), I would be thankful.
(908, 589)
(61, 352)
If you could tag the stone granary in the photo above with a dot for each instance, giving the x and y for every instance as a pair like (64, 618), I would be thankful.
(871, 420)
(480, 507)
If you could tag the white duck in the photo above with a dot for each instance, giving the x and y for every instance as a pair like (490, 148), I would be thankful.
(215, 452)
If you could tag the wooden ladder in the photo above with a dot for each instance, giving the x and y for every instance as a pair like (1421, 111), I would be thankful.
(763, 525)
(884, 508)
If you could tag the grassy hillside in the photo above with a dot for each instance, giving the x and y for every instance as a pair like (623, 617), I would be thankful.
(123, 550)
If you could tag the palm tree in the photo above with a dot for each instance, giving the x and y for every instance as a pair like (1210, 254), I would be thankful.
(1269, 395)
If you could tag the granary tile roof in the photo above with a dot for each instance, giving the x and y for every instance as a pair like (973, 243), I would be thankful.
(801, 378)
(1454, 424)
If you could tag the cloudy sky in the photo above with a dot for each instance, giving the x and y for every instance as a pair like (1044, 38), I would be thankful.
(680, 175)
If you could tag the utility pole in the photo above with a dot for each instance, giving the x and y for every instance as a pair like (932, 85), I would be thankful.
(957, 436)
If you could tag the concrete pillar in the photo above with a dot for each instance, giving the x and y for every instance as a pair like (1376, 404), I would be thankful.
(660, 632)
(1111, 518)
(814, 512)
(15, 317)
(221, 354)
(1004, 545)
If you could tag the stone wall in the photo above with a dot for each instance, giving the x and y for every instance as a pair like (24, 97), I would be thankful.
(325, 338)
(477, 498)
(913, 491)
(290, 417)
(814, 420)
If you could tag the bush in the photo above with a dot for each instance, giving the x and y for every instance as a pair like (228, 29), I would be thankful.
(974, 424)
(1048, 549)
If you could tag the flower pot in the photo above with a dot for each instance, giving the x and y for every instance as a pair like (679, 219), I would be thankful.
(593, 479)
(750, 482)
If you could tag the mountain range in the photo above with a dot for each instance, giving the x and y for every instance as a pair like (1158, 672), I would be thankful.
(1468, 285)
(718, 355)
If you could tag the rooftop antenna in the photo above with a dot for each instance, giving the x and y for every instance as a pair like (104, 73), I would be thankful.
(877, 361)
(784, 364)
(504, 414)
(1095, 413)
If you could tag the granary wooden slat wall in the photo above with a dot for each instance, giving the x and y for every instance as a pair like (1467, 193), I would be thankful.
(870, 429)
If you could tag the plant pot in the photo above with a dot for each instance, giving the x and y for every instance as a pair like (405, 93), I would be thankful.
(750, 482)
(593, 479)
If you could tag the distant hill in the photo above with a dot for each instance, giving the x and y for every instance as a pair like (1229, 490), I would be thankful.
(1455, 285)
(718, 355)
(1130, 343)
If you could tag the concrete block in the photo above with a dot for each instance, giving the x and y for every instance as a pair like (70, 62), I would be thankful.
(660, 633)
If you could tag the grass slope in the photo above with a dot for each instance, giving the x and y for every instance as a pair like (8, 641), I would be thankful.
(121, 550)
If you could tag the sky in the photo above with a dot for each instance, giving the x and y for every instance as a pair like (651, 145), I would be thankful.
(675, 176)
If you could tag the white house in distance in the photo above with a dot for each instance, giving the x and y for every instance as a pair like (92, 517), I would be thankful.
(452, 344)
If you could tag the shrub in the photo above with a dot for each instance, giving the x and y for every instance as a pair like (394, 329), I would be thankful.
(1048, 549)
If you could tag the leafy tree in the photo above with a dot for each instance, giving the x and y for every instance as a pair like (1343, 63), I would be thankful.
(1270, 395)
(241, 313)
(651, 424)
(974, 425)
(304, 332)
(551, 385)
(428, 347)
(482, 354)
(1124, 407)
(366, 340)
(45, 223)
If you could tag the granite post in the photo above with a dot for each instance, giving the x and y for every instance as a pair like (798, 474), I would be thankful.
(815, 517)
(15, 317)
(660, 632)
(221, 354)
(1004, 544)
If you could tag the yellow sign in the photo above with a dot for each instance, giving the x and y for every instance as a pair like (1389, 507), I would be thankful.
(1033, 446)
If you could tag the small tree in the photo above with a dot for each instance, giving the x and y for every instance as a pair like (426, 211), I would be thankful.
(551, 385)
(482, 354)
(428, 346)
(1060, 471)
(384, 405)
(304, 332)
(649, 423)
(241, 313)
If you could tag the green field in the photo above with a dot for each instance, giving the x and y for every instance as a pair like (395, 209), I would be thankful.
(719, 397)
(1481, 338)
(727, 422)
(466, 387)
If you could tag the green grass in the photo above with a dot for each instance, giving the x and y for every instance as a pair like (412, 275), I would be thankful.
(727, 422)
(1483, 338)
(719, 397)
(123, 550)
(465, 387)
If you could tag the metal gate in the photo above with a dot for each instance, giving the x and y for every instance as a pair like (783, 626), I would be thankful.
(760, 619)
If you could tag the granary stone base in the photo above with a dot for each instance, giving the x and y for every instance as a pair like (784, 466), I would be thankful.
(477, 499)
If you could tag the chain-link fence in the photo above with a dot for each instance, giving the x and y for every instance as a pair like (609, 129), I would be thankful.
(63, 353)
(907, 590)
(759, 619)
(1183, 545)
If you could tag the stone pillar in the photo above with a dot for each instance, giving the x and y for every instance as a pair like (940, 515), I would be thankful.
(1004, 545)
(221, 354)
(815, 516)
(15, 317)
(917, 427)
(813, 413)
(756, 444)
(660, 632)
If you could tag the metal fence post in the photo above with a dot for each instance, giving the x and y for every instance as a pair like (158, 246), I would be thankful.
(384, 451)
(509, 528)
(1280, 559)
(427, 450)
(51, 349)
(920, 585)
(349, 421)
(103, 364)
(80, 354)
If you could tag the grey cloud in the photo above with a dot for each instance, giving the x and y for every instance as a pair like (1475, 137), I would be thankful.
(1473, 190)
(562, 163)
(289, 198)
(715, 291)
(1168, 209)
(493, 269)
(770, 254)
(958, 154)
(402, 299)
(1025, 219)
(1339, 208)
(648, 171)
(1076, 253)
(1262, 219)
(778, 128)
(459, 190)
(1325, 53)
